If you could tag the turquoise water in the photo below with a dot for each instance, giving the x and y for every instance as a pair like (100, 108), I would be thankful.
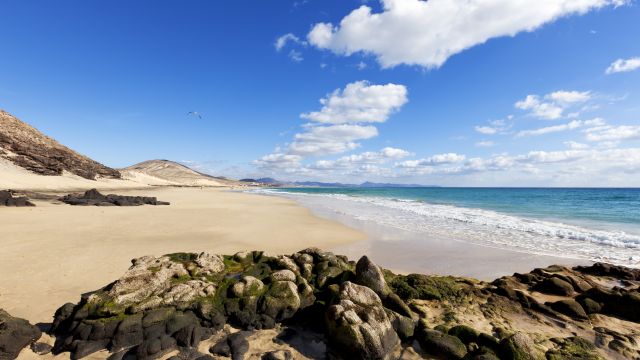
(603, 208)
(593, 224)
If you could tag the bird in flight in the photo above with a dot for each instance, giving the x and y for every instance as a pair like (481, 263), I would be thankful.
(195, 113)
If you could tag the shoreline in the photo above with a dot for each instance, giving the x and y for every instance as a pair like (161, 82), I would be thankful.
(405, 251)
(54, 252)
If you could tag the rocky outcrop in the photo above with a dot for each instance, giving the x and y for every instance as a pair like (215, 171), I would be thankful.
(30, 149)
(346, 310)
(94, 198)
(15, 334)
(7, 198)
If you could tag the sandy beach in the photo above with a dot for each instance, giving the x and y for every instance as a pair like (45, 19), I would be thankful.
(52, 253)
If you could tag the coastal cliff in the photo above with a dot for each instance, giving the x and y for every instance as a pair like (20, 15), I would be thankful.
(314, 304)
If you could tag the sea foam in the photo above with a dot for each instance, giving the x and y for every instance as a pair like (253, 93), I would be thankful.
(483, 227)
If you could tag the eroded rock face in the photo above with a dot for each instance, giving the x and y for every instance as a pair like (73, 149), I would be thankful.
(30, 149)
(94, 198)
(15, 334)
(358, 324)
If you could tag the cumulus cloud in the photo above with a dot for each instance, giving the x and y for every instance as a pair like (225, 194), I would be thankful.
(368, 158)
(360, 102)
(623, 65)
(613, 133)
(328, 140)
(279, 161)
(435, 160)
(344, 119)
(552, 105)
(427, 33)
(575, 124)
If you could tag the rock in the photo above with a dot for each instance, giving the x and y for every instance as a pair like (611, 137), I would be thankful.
(7, 199)
(554, 286)
(94, 198)
(222, 348)
(589, 306)
(573, 348)
(519, 347)
(369, 274)
(465, 333)
(278, 355)
(358, 326)
(15, 334)
(283, 275)
(238, 344)
(601, 269)
(281, 301)
(148, 276)
(41, 348)
(570, 308)
(441, 344)
(209, 264)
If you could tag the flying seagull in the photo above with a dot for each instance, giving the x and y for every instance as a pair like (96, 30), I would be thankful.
(195, 113)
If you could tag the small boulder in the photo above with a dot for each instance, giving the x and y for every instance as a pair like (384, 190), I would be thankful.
(15, 334)
(570, 308)
(369, 274)
(440, 344)
(555, 286)
(358, 326)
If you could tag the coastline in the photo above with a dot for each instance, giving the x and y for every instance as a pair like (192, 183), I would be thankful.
(405, 251)
(59, 252)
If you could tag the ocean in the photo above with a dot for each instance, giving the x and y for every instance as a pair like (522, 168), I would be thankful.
(574, 223)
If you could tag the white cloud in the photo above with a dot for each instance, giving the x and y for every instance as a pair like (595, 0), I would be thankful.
(350, 162)
(283, 40)
(339, 126)
(295, 55)
(496, 127)
(569, 97)
(575, 145)
(328, 140)
(552, 106)
(278, 161)
(487, 130)
(435, 160)
(485, 143)
(360, 102)
(427, 33)
(623, 65)
(613, 133)
(572, 125)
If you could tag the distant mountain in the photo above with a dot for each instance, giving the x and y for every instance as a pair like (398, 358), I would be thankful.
(274, 182)
(165, 172)
(377, 185)
(28, 148)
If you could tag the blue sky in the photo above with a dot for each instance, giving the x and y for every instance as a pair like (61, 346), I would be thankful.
(494, 94)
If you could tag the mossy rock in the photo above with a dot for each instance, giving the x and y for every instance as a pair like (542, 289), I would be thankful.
(465, 333)
(573, 348)
(417, 286)
(519, 347)
(440, 344)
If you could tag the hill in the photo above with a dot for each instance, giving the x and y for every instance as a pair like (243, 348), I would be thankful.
(165, 172)
(29, 149)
